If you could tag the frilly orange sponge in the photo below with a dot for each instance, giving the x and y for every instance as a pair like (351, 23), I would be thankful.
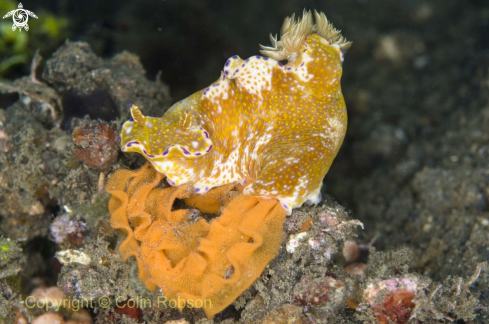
(272, 128)
(195, 263)
(279, 125)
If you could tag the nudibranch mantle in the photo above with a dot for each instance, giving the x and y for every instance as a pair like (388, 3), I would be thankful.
(276, 127)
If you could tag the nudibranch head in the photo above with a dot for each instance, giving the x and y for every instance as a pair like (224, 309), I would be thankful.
(166, 142)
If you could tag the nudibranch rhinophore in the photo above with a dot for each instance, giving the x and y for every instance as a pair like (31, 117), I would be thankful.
(275, 126)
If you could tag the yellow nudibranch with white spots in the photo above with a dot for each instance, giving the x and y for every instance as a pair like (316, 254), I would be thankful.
(275, 126)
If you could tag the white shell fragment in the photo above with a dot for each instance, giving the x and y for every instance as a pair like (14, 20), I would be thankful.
(70, 256)
(295, 241)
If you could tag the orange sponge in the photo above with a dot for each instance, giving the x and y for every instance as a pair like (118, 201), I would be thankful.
(214, 199)
(195, 263)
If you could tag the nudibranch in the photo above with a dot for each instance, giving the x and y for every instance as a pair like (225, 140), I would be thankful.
(276, 127)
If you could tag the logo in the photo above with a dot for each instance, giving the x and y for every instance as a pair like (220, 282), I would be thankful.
(20, 17)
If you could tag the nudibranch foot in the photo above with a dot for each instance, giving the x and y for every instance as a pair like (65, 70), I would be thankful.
(315, 198)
